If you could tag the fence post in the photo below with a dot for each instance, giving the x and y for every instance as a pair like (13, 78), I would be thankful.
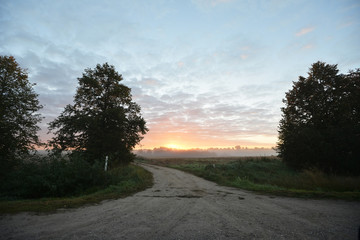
(106, 162)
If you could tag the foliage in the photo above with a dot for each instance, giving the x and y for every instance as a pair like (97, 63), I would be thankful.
(320, 126)
(39, 177)
(18, 117)
(124, 181)
(103, 121)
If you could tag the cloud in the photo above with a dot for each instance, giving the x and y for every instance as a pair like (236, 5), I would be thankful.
(216, 2)
(213, 118)
(304, 31)
(54, 68)
(346, 24)
(244, 56)
(211, 3)
(180, 64)
(179, 92)
(308, 46)
(189, 74)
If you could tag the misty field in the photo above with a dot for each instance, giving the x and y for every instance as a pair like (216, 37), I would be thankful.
(267, 175)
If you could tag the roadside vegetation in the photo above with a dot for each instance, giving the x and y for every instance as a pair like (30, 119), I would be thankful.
(47, 184)
(269, 175)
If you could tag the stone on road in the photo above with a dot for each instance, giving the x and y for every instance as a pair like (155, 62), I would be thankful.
(183, 206)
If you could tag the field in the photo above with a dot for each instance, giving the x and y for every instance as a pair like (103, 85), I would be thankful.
(268, 175)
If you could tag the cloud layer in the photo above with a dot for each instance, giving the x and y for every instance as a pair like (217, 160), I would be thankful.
(206, 73)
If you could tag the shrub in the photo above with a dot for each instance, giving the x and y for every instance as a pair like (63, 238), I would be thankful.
(37, 177)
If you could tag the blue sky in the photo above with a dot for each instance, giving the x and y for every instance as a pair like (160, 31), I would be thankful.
(207, 73)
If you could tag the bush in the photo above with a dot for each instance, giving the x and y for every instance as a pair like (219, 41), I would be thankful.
(37, 177)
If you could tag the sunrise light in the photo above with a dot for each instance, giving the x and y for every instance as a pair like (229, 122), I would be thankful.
(174, 146)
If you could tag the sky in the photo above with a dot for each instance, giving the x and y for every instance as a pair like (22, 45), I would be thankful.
(206, 73)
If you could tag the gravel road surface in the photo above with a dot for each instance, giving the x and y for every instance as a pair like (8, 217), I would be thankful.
(182, 206)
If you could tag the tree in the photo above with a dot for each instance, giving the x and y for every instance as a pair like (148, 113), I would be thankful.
(18, 117)
(103, 121)
(320, 125)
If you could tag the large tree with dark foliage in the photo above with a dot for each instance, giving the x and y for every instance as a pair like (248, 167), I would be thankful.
(320, 126)
(18, 117)
(103, 121)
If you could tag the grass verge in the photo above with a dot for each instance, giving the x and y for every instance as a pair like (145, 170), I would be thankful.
(132, 179)
(268, 175)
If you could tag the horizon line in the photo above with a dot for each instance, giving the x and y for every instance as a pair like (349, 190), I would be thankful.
(207, 148)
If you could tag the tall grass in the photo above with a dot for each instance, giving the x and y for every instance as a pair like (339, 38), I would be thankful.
(271, 175)
(317, 180)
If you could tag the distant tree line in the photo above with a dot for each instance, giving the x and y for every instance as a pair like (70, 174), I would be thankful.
(320, 125)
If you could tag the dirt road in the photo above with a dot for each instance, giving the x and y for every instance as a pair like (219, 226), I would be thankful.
(182, 206)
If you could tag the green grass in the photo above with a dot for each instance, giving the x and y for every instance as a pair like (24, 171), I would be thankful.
(268, 175)
(131, 179)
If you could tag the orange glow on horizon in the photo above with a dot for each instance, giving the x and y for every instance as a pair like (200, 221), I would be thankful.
(187, 141)
(174, 146)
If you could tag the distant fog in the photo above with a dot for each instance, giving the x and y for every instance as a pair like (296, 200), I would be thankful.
(164, 152)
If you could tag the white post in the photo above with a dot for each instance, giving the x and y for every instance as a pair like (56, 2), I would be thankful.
(106, 163)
